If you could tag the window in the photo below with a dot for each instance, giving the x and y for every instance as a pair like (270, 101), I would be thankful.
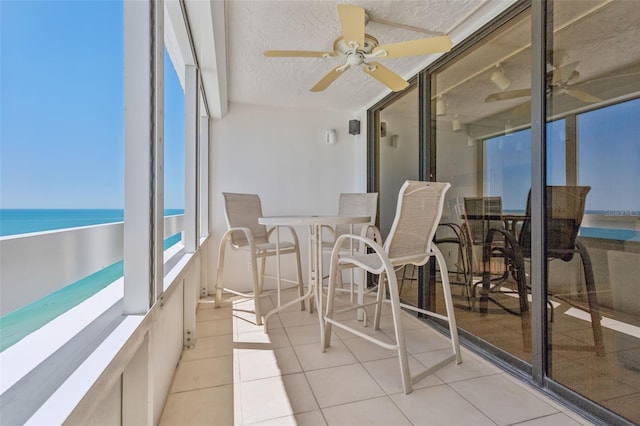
(62, 155)
(609, 146)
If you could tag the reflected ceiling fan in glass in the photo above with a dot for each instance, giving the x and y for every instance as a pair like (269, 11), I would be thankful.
(358, 48)
(560, 81)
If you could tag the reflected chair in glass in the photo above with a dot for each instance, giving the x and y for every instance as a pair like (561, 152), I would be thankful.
(354, 204)
(410, 241)
(480, 215)
(449, 234)
(564, 213)
(245, 233)
(456, 234)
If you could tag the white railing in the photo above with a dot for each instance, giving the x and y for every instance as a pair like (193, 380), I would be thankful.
(36, 264)
(92, 364)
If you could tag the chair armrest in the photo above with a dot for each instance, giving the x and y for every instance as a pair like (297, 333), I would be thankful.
(247, 233)
(457, 230)
(385, 262)
(509, 238)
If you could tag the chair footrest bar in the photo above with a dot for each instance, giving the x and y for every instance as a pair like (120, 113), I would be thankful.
(429, 371)
(275, 277)
(392, 347)
(277, 309)
(237, 293)
(264, 292)
(425, 312)
(353, 308)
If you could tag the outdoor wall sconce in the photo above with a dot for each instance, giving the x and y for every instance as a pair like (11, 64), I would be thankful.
(331, 136)
(456, 125)
(500, 79)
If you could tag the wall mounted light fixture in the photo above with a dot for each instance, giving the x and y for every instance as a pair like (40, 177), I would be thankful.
(500, 79)
(331, 136)
(456, 125)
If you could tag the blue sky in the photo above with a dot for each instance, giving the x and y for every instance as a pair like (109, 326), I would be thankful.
(62, 112)
(609, 154)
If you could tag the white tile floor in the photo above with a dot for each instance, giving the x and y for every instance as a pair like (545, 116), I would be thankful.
(238, 375)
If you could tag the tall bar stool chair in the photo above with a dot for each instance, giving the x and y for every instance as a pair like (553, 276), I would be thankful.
(245, 233)
(410, 241)
(354, 204)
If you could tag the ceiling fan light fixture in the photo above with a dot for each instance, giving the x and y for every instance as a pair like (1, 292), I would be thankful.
(441, 106)
(500, 79)
(357, 47)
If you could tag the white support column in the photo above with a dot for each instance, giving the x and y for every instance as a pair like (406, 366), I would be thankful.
(158, 169)
(191, 91)
(140, 150)
(203, 179)
(204, 203)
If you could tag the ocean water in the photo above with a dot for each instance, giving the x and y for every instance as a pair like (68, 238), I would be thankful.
(20, 221)
(19, 323)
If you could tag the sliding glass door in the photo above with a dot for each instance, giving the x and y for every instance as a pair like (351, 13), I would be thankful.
(566, 312)
(481, 107)
(398, 147)
(594, 292)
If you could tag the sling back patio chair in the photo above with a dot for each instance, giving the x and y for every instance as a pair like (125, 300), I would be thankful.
(564, 213)
(410, 241)
(245, 233)
(354, 204)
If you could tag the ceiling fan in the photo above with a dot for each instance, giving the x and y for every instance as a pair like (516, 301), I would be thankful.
(558, 81)
(358, 48)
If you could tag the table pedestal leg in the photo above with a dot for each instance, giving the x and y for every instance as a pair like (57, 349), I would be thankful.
(315, 272)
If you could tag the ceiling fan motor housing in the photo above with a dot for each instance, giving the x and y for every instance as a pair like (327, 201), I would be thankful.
(341, 47)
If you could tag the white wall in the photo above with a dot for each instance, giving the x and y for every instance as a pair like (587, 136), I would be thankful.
(281, 155)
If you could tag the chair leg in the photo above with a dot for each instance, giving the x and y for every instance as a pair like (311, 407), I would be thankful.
(592, 298)
(257, 279)
(448, 301)
(396, 310)
(220, 274)
(300, 282)
(381, 295)
(335, 273)
(263, 263)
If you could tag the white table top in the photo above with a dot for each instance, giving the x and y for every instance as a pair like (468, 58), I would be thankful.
(312, 220)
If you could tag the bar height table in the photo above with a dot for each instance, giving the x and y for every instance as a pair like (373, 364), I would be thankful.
(314, 224)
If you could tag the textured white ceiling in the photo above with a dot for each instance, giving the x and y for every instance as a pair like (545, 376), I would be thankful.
(255, 26)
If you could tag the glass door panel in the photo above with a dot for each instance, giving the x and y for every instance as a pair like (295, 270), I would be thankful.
(399, 161)
(593, 289)
(481, 110)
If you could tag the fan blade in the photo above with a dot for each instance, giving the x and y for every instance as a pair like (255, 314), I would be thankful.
(421, 46)
(328, 79)
(511, 94)
(385, 76)
(296, 54)
(564, 72)
(582, 96)
(352, 21)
